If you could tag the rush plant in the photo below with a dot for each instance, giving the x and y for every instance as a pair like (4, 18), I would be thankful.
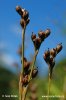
(28, 71)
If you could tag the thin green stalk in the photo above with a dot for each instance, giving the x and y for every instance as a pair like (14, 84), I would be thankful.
(49, 85)
(23, 40)
(22, 70)
(32, 66)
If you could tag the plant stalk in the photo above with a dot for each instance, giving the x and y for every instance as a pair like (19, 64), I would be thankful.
(22, 70)
(49, 83)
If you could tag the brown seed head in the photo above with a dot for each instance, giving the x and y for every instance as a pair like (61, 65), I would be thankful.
(27, 21)
(53, 52)
(33, 36)
(47, 32)
(26, 65)
(19, 10)
(59, 48)
(41, 34)
(37, 42)
(25, 80)
(25, 14)
(34, 73)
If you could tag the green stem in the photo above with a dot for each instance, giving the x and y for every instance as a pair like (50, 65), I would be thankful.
(23, 40)
(32, 66)
(49, 85)
(22, 70)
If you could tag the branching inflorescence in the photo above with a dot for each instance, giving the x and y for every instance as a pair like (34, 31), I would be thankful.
(28, 72)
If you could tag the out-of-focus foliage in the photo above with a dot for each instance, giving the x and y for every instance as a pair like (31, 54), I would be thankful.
(9, 83)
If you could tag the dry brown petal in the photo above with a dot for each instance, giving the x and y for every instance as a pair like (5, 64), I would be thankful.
(37, 43)
(33, 36)
(25, 15)
(19, 10)
(53, 52)
(59, 48)
(25, 80)
(41, 34)
(47, 32)
(34, 73)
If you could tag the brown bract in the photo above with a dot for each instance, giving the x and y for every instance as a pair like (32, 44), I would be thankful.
(34, 73)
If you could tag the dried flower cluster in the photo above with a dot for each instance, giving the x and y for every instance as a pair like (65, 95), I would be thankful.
(27, 71)
(24, 16)
(42, 35)
(49, 57)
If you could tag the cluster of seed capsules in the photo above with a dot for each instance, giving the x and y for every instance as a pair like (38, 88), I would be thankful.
(49, 56)
(24, 16)
(42, 35)
(27, 71)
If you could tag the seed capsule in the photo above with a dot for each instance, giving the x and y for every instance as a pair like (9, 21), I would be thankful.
(25, 15)
(19, 10)
(47, 32)
(25, 80)
(33, 36)
(53, 52)
(37, 42)
(41, 34)
(34, 73)
(26, 65)
(27, 21)
(59, 48)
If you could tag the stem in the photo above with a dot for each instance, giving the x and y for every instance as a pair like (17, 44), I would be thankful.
(22, 70)
(24, 92)
(49, 84)
(32, 66)
(23, 39)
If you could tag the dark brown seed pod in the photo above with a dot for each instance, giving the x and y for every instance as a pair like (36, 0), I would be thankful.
(27, 21)
(59, 48)
(19, 10)
(26, 65)
(53, 52)
(25, 80)
(37, 43)
(33, 36)
(25, 14)
(46, 54)
(41, 34)
(47, 32)
(34, 73)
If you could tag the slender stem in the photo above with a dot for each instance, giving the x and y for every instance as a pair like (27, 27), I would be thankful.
(32, 66)
(49, 84)
(24, 92)
(22, 70)
(23, 40)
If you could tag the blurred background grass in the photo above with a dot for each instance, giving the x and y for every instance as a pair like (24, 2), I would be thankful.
(9, 83)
